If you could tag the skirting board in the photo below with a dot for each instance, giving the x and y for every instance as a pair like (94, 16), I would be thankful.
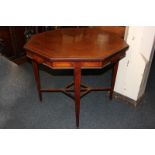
(127, 99)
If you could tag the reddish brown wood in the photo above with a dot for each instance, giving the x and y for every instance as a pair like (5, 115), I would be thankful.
(119, 30)
(69, 85)
(37, 78)
(76, 49)
(114, 73)
(77, 83)
(83, 91)
(82, 44)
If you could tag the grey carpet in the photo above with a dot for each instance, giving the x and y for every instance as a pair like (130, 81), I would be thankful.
(20, 107)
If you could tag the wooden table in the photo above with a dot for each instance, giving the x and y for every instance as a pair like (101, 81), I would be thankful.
(77, 49)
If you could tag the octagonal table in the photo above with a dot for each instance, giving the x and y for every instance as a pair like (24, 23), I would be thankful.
(77, 49)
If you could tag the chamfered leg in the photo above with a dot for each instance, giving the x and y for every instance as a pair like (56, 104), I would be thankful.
(77, 81)
(37, 78)
(114, 73)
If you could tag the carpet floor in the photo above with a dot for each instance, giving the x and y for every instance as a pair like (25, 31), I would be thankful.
(20, 107)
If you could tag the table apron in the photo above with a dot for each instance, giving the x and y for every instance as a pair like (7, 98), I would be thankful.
(89, 64)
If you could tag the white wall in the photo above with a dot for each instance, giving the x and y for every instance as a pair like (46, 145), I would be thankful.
(134, 68)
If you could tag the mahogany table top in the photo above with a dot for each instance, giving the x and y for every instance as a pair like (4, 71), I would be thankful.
(76, 44)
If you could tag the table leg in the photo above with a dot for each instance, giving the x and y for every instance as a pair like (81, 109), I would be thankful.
(77, 81)
(37, 78)
(114, 73)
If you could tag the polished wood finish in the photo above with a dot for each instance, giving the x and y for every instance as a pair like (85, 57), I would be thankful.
(77, 84)
(37, 78)
(119, 30)
(76, 49)
(74, 45)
